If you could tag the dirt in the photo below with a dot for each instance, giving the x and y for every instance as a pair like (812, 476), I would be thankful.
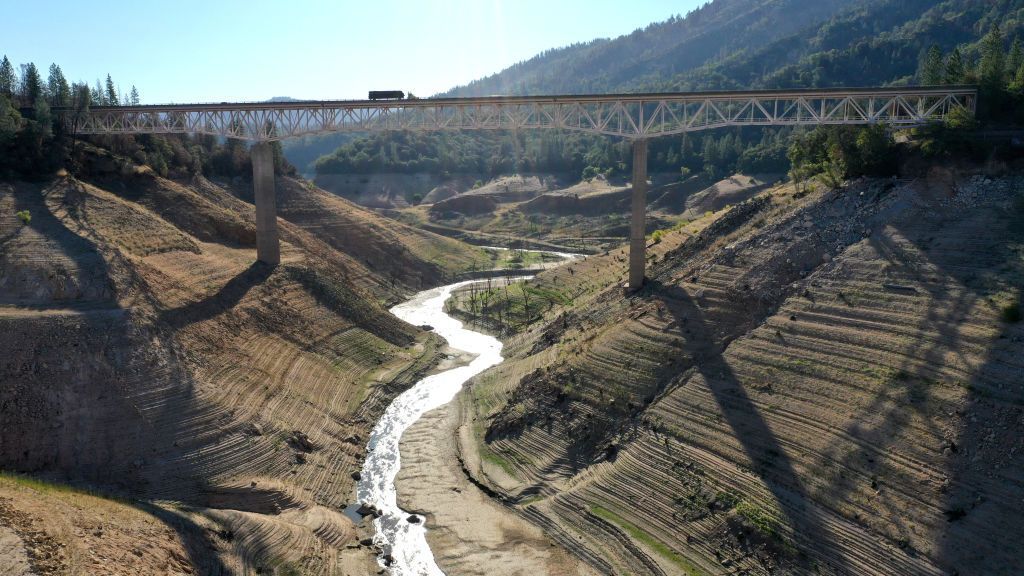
(50, 530)
(469, 532)
(814, 382)
(470, 205)
(223, 404)
(810, 382)
(689, 200)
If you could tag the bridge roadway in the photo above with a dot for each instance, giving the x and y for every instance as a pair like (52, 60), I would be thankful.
(637, 117)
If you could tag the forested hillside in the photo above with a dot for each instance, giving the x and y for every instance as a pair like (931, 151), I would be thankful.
(661, 50)
(726, 44)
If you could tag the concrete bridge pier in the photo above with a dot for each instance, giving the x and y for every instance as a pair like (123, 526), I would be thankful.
(268, 246)
(637, 228)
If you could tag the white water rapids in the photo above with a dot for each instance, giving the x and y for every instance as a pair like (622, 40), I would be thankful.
(405, 541)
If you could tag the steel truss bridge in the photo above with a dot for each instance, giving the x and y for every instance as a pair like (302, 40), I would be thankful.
(627, 115)
(637, 117)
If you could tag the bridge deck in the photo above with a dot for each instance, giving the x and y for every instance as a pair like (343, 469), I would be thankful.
(626, 115)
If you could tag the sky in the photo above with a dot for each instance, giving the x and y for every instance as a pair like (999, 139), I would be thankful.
(236, 50)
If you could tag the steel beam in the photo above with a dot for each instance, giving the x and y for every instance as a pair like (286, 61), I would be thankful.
(268, 246)
(637, 225)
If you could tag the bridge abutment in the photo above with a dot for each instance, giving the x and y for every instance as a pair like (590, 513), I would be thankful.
(637, 226)
(268, 246)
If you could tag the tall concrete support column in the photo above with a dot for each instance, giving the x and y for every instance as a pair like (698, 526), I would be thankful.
(268, 246)
(637, 229)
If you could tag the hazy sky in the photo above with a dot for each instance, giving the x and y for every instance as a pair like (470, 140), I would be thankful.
(220, 50)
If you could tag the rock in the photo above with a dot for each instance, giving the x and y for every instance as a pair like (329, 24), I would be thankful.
(367, 510)
(301, 441)
(413, 519)
(253, 429)
(300, 458)
(426, 327)
(354, 439)
(357, 476)
(366, 542)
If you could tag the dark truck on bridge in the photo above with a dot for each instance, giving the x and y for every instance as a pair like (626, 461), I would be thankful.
(386, 94)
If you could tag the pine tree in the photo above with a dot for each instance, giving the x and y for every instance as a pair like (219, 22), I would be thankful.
(81, 96)
(930, 72)
(57, 86)
(955, 67)
(31, 84)
(8, 79)
(1015, 60)
(133, 96)
(992, 67)
(97, 97)
(111, 93)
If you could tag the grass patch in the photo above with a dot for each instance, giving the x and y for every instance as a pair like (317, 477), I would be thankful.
(488, 455)
(58, 489)
(40, 485)
(758, 518)
(651, 542)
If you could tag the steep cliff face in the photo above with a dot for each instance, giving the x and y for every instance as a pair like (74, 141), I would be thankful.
(144, 353)
(824, 383)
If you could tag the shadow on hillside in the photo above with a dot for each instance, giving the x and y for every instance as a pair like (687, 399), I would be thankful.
(201, 552)
(92, 275)
(224, 299)
(73, 438)
(767, 456)
(984, 464)
(983, 498)
(935, 357)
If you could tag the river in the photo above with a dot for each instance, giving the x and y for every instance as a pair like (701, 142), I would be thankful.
(406, 541)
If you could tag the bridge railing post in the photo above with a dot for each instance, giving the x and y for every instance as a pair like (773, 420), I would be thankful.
(268, 247)
(637, 227)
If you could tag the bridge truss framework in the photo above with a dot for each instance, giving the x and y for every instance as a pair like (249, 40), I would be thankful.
(626, 115)
(638, 117)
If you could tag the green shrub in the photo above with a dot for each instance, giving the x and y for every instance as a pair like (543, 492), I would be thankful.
(25, 216)
(758, 519)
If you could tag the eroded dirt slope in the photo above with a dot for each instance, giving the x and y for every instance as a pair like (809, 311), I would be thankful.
(829, 383)
(147, 356)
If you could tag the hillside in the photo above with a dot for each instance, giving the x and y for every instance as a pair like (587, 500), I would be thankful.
(726, 44)
(809, 383)
(742, 44)
(147, 357)
(713, 32)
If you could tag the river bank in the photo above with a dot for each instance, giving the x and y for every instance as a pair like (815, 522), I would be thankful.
(469, 533)
(436, 492)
